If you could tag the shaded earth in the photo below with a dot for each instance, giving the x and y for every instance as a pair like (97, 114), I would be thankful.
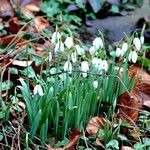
(116, 27)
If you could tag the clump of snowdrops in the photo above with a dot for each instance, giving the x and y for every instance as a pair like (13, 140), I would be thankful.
(81, 81)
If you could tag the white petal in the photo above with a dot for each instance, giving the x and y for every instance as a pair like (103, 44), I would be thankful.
(95, 61)
(74, 57)
(68, 66)
(84, 66)
(55, 37)
(69, 42)
(98, 43)
(49, 56)
(84, 75)
(118, 52)
(92, 50)
(95, 84)
(134, 56)
(142, 39)
(35, 91)
(40, 90)
(130, 56)
(104, 65)
(80, 50)
(59, 47)
(137, 43)
(124, 47)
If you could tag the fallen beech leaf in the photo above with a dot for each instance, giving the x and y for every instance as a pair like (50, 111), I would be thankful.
(30, 6)
(126, 148)
(40, 23)
(142, 87)
(95, 124)
(21, 63)
(14, 26)
(5, 9)
(126, 102)
(40, 47)
(99, 143)
(74, 137)
(142, 91)
(140, 74)
(27, 13)
(35, 2)
(8, 39)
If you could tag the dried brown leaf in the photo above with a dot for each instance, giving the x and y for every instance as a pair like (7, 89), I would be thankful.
(142, 87)
(5, 9)
(14, 25)
(128, 107)
(40, 23)
(126, 148)
(99, 143)
(21, 63)
(74, 137)
(95, 124)
(8, 39)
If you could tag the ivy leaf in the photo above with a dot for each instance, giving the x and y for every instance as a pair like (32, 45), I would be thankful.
(113, 144)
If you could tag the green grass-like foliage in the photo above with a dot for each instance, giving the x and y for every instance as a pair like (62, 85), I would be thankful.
(70, 100)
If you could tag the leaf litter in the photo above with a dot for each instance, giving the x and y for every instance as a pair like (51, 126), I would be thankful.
(128, 105)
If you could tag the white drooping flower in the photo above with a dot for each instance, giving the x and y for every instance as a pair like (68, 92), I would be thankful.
(84, 68)
(59, 47)
(137, 43)
(133, 56)
(98, 43)
(38, 90)
(104, 65)
(124, 47)
(55, 37)
(69, 42)
(99, 64)
(95, 84)
(119, 52)
(49, 56)
(92, 50)
(74, 57)
(80, 50)
(142, 39)
(68, 66)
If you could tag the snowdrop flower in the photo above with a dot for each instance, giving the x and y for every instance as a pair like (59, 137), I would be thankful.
(55, 37)
(69, 42)
(142, 39)
(49, 56)
(133, 56)
(92, 50)
(98, 43)
(74, 57)
(104, 65)
(68, 66)
(59, 47)
(38, 90)
(95, 84)
(80, 50)
(124, 47)
(84, 68)
(97, 63)
(119, 52)
(137, 43)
